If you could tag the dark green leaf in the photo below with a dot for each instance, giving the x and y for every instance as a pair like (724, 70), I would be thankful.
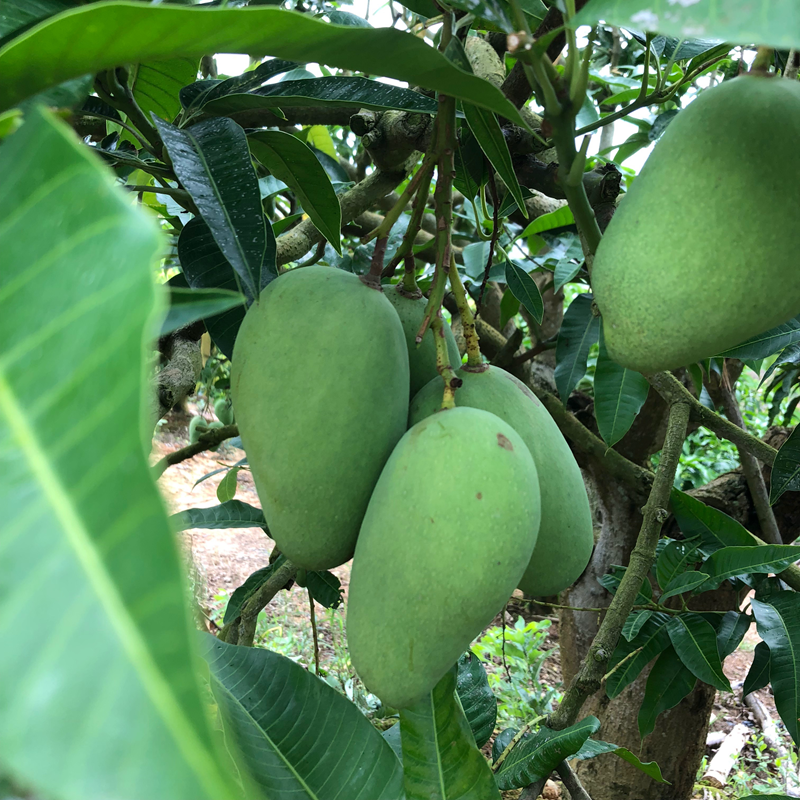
(713, 529)
(471, 169)
(233, 514)
(731, 631)
(509, 307)
(595, 747)
(17, 16)
(565, 271)
(767, 344)
(786, 469)
(525, 290)
(651, 640)
(695, 641)
(579, 331)
(325, 588)
(253, 583)
(134, 32)
(619, 394)
(765, 558)
(684, 582)
(440, 758)
(189, 305)
(778, 621)
(392, 737)
(292, 162)
(88, 558)
(611, 580)
(674, 559)
(537, 756)
(156, 85)
(335, 753)
(477, 700)
(773, 796)
(559, 218)
(667, 684)
(633, 624)
(758, 675)
(69, 94)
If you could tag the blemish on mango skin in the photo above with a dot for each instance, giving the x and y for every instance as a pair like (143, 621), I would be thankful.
(479, 496)
(504, 442)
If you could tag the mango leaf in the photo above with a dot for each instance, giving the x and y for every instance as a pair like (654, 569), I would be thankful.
(695, 641)
(595, 747)
(559, 218)
(673, 560)
(758, 674)
(536, 756)
(524, 288)
(226, 490)
(612, 579)
(731, 631)
(633, 624)
(213, 163)
(440, 758)
(325, 588)
(768, 343)
(684, 582)
(135, 32)
(775, 22)
(566, 269)
(392, 738)
(712, 528)
(486, 129)
(18, 15)
(156, 85)
(579, 331)
(651, 640)
(336, 752)
(667, 684)
(765, 558)
(189, 305)
(233, 514)
(619, 394)
(471, 169)
(102, 642)
(477, 700)
(330, 92)
(773, 796)
(778, 622)
(292, 162)
(244, 592)
(786, 469)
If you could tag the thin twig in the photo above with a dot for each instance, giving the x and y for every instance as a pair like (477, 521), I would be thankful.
(492, 241)
(253, 607)
(210, 439)
(313, 616)
(571, 782)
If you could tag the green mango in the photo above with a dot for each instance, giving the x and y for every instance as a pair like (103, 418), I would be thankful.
(448, 533)
(197, 427)
(702, 253)
(320, 388)
(566, 536)
(422, 359)
(224, 411)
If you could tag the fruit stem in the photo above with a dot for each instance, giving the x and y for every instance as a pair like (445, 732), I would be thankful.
(373, 277)
(763, 61)
(443, 366)
(474, 358)
(410, 276)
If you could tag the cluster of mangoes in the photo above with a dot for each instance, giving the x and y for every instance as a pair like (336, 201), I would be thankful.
(702, 253)
(444, 513)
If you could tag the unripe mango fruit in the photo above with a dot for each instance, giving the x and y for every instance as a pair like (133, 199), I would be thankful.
(449, 530)
(422, 359)
(566, 536)
(320, 389)
(702, 253)
(224, 411)
(197, 427)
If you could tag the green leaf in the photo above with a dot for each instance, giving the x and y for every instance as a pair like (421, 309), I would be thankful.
(667, 684)
(758, 675)
(579, 331)
(711, 527)
(565, 271)
(673, 560)
(535, 757)
(559, 218)
(524, 288)
(244, 592)
(135, 32)
(477, 700)
(213, 163)
(612, 579)
(392, 738)
(785, 475)
(335, 751)
(595, 747)
(695, 641)
(101, 642)
(440, 758)
(731, 631)
(17, 15)
(684, 582)
(471, 169)
(233, 514)
(325, 588)
(619, 394)
(292, 162)
(767, 344)
(764, 558)
(156, 85)
(189, 305)
(778, 622)
(774, 796)
(633, 624)
(226, 490)
(652, 639)
(772, 22)
(487, 131)
(330, 92)
(509, 307)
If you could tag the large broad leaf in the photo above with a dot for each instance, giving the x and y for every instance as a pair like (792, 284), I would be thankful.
(674, 559)
(524, 288)
(758, 675)
(619, 394)
(244, 592)
(292, 162)
(325, 588)
(785, 475)
(770, 22)
(331, 92)
(103, 35)
(765, 558)
(579, 331)
(778, 621)
(213, 163)
(477, 700)
(695, 641)
(685, 582)
(633, 624)
(667, 684)
(233, 514)
(632, 657)
(189, 305)
(156, 85)
(298, 737)
(595, 747)
(96, 647)
(732, 628)
(535, 757)
(711, 528)
(559, 218)
(440, 758)
(767, 344)
(17, 15)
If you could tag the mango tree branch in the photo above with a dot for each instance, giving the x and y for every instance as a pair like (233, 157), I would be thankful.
(211, 438)
(571, 782)
(590, 675)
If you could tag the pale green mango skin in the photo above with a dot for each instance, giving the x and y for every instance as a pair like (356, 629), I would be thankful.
(320, 389)
(449, 530)
(703, 252)
(566, 536)
(422, 359)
